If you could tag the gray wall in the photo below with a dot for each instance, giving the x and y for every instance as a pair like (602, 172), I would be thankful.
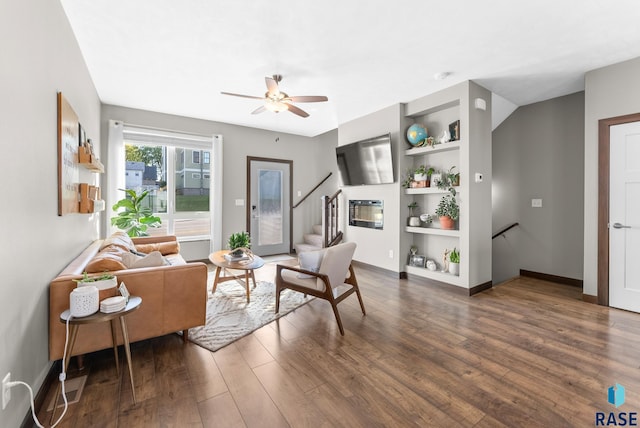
(538, 152)
(40, 56)
(313, 158)
(609, 92)
(375, 245)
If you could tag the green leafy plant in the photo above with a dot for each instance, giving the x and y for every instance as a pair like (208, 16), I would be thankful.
(449, 180)
(422, 169)
(411, 207)
(87, 278)
(239, 240)
(454, 256)
(406, 183)
(135, 218)
(448, 207)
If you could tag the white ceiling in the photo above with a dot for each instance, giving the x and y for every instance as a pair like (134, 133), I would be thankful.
(175, 56)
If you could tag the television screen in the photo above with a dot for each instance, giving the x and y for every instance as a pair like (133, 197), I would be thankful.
(366, 162)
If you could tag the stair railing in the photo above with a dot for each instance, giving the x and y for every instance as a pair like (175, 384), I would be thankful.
(312, 190)
(331, 234)
(502, 232)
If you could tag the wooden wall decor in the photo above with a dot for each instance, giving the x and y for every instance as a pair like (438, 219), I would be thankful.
(68, 142)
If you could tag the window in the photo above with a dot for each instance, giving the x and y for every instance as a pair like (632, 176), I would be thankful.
(206, 176)
(205, 157)
(177, 193)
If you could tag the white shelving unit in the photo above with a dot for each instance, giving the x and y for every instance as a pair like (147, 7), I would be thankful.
(428, 191)
(470, 154)
(432, 231)
(445, 147)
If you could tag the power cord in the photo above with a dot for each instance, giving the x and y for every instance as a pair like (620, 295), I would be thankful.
(62, 377)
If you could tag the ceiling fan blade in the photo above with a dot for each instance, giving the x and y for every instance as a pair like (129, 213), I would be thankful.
(258, 110)
(295, 110)
(243, 96)
(309, 99)
(272, 85)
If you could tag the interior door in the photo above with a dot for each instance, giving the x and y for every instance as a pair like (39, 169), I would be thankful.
(624, 217)
(269, 208)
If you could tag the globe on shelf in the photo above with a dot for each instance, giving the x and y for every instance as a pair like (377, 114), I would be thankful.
(417, 135)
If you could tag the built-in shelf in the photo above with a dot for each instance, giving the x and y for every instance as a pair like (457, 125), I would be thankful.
(89, 161)
(428, 190)
(445, 147)
(432, 231)
(435, 275)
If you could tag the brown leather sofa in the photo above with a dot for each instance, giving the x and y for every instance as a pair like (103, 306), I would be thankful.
(174, 297)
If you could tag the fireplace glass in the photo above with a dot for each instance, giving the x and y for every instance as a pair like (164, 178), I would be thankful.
(366, 213)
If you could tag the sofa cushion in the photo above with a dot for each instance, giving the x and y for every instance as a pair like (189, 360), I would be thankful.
(120, 239)
(153, 259)
(170, 247)
(108, 259)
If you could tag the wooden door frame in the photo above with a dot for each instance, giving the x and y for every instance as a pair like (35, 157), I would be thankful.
(248, 210)
(604, 147)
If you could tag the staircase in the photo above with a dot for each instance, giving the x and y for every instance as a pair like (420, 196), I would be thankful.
(312, 241)
(327, 233)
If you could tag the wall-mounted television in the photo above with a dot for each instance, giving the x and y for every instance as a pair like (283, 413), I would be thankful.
(366, 162)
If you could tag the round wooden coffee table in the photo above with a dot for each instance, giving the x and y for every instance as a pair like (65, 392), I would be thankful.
(247, 266)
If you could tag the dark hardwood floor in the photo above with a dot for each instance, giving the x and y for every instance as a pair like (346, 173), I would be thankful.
(526, 353)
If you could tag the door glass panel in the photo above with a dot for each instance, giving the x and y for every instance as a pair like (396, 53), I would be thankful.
(270, 207)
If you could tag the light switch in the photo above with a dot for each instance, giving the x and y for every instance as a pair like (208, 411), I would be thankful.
(239, 202)
(299, 193)
(536, 203)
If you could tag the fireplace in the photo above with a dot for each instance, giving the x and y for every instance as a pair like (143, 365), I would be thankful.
(366, 213)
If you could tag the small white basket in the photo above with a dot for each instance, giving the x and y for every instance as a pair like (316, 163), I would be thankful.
(84, 301)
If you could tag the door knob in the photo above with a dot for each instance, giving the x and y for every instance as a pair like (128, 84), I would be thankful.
(620, 226)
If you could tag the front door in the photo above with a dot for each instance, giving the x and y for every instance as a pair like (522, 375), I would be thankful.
(624, 217)
(269, 208)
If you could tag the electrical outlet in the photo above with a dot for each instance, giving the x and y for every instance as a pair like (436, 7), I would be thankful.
(6, 390)
(390, 254)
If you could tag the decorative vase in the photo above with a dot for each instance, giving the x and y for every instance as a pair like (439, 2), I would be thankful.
(447, 223)
(420, 177)
(106, 287)
(454, 268)
(413, 221)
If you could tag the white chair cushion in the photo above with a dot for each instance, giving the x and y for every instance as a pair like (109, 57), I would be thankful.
(310, 260)
(310, 283)
(336, 261)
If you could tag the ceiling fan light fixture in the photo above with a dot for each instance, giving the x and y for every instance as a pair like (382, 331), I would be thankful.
(275, 106)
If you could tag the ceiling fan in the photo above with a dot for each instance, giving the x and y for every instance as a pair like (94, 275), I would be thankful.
(276, 101)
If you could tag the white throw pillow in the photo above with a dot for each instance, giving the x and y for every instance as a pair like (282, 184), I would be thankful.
(153, 259)
(310, 260)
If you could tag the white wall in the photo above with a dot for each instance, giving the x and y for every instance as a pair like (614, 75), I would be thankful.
(374, 245)
(538, 153)
(313, 158)
(39, 57)
(609, 92)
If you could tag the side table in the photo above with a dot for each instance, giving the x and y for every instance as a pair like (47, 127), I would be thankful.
(247, 266)
(133, 304)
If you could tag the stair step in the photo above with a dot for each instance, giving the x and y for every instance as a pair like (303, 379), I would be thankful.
(317, 229)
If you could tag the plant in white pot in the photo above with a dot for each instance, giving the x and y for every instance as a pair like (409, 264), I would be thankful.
(106, 283)
(454, 262)
(413, 220)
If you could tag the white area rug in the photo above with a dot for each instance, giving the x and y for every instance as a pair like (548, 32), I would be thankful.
(230, 317)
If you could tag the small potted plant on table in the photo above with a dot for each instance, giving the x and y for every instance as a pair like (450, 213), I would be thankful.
(239, 245)
(454, 262)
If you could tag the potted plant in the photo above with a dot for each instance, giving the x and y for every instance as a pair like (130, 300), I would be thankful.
(136, 218)
(408, 180)
(422, 174)
(448, 211)
(105, 283)
(413, 220)
(454, 262)
(239, 243)
(453, 178)
(449, 180)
